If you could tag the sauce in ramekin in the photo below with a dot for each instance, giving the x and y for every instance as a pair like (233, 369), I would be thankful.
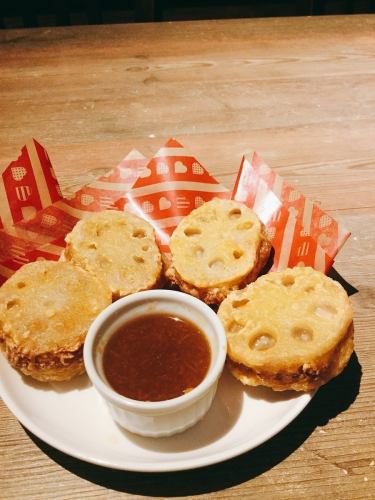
(156, 357)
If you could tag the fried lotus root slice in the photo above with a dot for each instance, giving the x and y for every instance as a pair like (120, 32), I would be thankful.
(46, 309)
(288, 330)
(118, 248)
(219, 247)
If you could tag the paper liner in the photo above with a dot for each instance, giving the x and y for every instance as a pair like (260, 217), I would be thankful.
(27, 185)
(42, 236)
(172, 185)
(301, 232)
(35, 217)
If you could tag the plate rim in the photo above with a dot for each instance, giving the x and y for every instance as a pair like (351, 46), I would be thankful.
(155, 466)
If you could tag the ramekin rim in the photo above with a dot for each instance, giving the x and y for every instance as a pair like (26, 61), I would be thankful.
(169, 405)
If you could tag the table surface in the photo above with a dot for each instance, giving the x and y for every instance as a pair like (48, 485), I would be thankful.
(299, 91)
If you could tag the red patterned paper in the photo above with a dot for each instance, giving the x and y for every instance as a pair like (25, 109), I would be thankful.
(35, 218)
(42, 235)
(300, 231)
(171, 186)
(27, 185)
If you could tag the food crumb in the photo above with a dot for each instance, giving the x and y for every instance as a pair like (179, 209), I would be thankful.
(365, 478)
(372, 463)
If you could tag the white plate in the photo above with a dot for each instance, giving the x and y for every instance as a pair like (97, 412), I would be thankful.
(73, 418)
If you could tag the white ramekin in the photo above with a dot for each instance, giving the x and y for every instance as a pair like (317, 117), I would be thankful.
(162, 418)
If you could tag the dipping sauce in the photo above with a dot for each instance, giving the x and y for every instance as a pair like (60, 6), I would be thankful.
(156, 357)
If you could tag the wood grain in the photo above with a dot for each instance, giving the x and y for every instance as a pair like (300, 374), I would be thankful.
(301, 92)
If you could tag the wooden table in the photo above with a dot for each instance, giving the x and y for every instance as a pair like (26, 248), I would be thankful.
(301, 92)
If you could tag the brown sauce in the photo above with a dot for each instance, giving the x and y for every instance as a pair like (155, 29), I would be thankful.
(156, 357)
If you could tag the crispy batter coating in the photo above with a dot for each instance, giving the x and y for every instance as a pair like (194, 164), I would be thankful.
(46, 309)
(118, 248)
(219, 247)
(288, 330)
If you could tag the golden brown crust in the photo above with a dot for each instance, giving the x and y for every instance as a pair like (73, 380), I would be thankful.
(218, 294)
(305, 377)
(45, 311)
(214, 290)
(48, 367)
(288, 330)
(119, 248)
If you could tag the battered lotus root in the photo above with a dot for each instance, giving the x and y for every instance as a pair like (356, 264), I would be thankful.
(46, 309)
(119, 248)
(288, 330)
(219, 247)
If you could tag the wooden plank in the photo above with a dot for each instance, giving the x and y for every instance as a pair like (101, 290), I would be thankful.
(299, 91)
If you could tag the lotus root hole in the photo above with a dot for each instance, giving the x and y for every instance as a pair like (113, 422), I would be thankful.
(245, 225)
(192, 231)
(234, 327)
(288, 281)
(237, 254)
(302, 334)
(12, 302)
(139, 233)
(325, 311)
(21, 284)
(262, 342)
(145, 248)
(215, 264)
(139, 260)
(103, 261)
(100, 230)
(199, 251)
(239, 303)
(235, 213)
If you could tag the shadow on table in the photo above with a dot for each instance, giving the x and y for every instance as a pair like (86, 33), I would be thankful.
(350, 289)
(330, 400)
